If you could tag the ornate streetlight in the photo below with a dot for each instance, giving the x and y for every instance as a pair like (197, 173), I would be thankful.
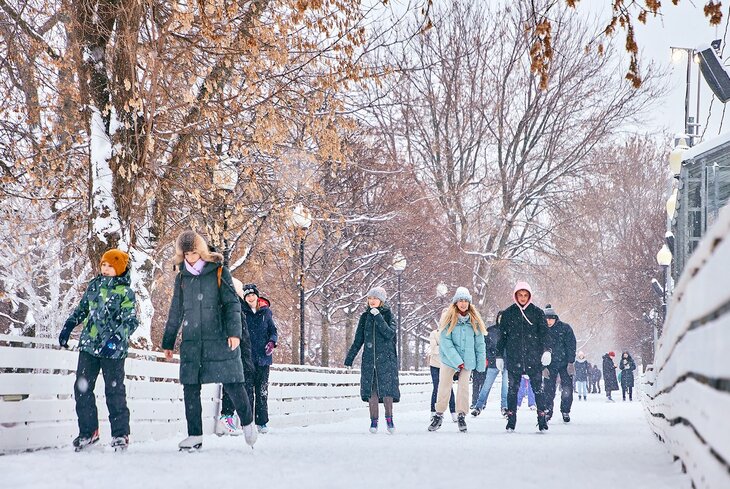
(399, 264)
(302, 219)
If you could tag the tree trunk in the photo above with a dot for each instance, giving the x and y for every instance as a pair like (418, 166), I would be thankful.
(325, 338)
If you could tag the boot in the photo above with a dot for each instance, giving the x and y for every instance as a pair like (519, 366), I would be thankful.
(566, 417)
(476, 412)
(542, 423)
(374, 425)
(511, 420)
(436, 422)
(390, 425)
(84, 442)
(461, 421)
(120, 443)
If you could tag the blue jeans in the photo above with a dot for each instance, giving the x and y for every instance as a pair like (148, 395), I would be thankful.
(487, 386)
(435, 378)
(525, 388)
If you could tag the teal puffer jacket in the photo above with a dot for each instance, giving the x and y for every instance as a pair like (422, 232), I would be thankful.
(463, 346)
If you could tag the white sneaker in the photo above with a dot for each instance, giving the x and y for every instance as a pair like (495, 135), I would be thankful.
(227, 426)
(250, 433)
(262, 428)
(454, 417)
(191, 443)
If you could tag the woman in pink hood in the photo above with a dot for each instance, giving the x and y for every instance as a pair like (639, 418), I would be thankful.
(523, 341)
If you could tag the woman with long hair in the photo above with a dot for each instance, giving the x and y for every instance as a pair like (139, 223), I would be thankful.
(462, 349)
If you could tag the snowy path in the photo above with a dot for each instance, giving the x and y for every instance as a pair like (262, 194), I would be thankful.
(606, 446)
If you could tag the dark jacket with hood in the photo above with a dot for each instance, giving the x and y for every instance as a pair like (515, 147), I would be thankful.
(627, 367)
(582, 373)
(609, 374)
(262, 329)
(491, 340)
(379, 357)
(209, 314)
(562, 344)
(523, 335)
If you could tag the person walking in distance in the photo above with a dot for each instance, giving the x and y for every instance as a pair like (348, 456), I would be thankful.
(462, 350)
(609, 375)
(523, 340)
(379, 367)
(434, 361)
(627, 367)
(582, 372)
(562, 344)
(205, 306)
(596, 378)
(107, 313)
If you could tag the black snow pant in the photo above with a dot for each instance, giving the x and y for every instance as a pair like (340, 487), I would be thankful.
(477, 382)
(566, 389)
(87, 372)
(194, 408)
(257, 390)
(515, 376)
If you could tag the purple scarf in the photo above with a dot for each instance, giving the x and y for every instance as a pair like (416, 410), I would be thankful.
(195, 268)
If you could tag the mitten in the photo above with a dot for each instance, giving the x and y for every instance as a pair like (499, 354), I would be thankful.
(571, 369)
(111, 346)
(374, 311)
(269, 349)
(546, 359)
(66, 333)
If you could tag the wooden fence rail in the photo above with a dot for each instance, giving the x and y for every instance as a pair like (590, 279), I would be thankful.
(687, 390)
(37, 406)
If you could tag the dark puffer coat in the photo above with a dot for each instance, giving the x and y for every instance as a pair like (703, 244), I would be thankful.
(491, 340)
(609, 374)
(209, 315)
(262, 329)
(581, 370)
(562, 344)
(522, 342)
(627, 367)
(379, 357)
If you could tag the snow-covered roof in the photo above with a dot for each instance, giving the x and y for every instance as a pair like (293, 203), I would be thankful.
(706, 146)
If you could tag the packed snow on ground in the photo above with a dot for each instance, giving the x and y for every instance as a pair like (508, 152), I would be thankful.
(605, 446)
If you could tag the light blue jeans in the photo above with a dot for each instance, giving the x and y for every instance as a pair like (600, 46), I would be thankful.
(581, 387)
(487, 386)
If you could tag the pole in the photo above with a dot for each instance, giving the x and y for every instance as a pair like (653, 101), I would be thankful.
(697, 112)
(664, 298)
(301, 299)
(686, 94)
(400, 338)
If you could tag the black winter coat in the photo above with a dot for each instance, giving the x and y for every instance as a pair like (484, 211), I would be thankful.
(248, 367)
(627, 367)
(522, 343)
(262, 329)
(609, 374)
(209, 315)
(379, 357)
(581, 371)
(561, 341)
(491, 340)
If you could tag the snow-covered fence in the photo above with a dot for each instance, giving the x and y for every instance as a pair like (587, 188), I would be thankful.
(37, 406)
(687, 392)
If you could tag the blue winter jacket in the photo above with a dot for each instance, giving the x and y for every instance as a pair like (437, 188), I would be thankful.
(463, 345)
(261, 329)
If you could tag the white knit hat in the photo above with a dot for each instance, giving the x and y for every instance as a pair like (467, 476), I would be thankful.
(462, 293)
(378, 293)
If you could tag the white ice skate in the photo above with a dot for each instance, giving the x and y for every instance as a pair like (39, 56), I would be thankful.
(250, 433)
(227, 426)
(191, 444)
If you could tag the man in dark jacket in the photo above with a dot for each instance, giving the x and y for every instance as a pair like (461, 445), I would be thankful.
(561, 341)
(523, 342)
(264, 336)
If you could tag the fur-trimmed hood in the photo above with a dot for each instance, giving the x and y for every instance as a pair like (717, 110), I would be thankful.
(191, 241)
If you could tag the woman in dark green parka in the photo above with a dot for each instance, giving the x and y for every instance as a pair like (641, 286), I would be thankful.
(379, 369)
(205, 305)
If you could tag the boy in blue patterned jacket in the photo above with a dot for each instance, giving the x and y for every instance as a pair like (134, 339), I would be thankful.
(108, 316)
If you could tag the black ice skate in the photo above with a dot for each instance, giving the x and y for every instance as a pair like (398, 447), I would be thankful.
(511, 420)
(461, 422)
(85, 442)
(566, 417)
(120, 443)
(542, 423)
(436, 422)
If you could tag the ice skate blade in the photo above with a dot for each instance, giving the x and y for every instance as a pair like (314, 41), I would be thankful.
(193, 449)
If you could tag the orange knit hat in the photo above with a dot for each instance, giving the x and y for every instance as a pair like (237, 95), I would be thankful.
(117, 259)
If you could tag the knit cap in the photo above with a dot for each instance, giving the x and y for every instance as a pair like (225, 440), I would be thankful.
(378, 293)
(462, 293)
(550, 312)
(117, 259)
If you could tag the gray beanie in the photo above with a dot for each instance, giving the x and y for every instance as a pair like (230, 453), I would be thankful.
(462, 293)
(378, 293)
(550, 312)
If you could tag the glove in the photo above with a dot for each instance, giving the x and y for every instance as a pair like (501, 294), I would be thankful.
(545, 373)
(500, 364)
(546, 359)
(66, 333)
(571, 369)
(111, 346)
(269, 349)
(374, 311)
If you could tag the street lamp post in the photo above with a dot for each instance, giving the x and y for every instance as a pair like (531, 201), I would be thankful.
(225, 178)
(302, 218)
(399, 264)
(691, 127)
(664, 259)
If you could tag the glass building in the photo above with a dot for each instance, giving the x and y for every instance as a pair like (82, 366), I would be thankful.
(703, 189)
